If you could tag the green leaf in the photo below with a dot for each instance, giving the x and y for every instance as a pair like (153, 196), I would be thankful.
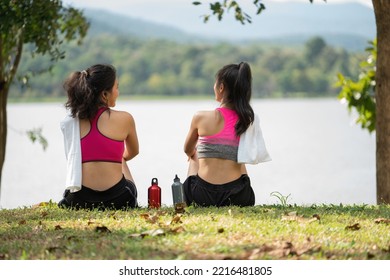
(35, 134)
(360, 94)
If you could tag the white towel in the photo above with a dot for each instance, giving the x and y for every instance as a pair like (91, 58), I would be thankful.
(251, 148)
(70, 128)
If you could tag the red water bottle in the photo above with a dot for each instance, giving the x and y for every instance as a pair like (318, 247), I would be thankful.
(154, 194)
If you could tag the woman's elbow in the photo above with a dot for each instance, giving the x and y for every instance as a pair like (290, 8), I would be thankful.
(186, 150)
(128, 155)
(134, 153)
(189, 151)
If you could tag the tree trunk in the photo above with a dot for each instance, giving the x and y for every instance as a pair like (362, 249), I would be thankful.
(5, 83)
(3, 125)
(382, 96)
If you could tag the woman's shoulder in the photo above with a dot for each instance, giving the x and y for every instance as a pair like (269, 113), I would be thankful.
(119, 112)
(121, 115)
(206, 118)
(205, 113)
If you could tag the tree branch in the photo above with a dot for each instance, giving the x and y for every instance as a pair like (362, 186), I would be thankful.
(1, 60)
(18, 56)
(219, 8)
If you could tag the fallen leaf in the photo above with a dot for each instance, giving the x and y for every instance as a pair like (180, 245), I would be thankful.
(41, 204)
(53, 249)
(176, 219)
(370, 256)
(308, 250)
(135, 235)
(72, 237)
(161, 213)
(102, 229)
(178, 229)
(39, 226)
(157, 232)
(150, 218)
(153, 232)
(353, 227)
(283, 250)
(277, 251)
(294, 218)
(287, 245)
(290, 218)
(382, 221)
(317, 216)
(144, 215)
(180, 208)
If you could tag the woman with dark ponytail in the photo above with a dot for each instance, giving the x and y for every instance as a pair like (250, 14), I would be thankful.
(98, 142)
(215, 178)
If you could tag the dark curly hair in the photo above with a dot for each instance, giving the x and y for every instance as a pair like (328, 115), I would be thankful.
(85, 88)
(237, 80)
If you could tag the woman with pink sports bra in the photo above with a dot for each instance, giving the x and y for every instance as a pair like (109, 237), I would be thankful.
(214, 176)
(107, 140)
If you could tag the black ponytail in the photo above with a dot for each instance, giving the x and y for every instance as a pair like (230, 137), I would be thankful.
(237, 79)
(84, 90)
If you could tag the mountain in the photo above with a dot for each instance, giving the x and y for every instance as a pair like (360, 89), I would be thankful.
(348, 25)
(103, 21)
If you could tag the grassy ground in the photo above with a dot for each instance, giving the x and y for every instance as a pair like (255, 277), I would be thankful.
(260, 232)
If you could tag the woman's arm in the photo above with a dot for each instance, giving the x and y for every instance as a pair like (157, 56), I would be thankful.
(192, 137)
(131, 141)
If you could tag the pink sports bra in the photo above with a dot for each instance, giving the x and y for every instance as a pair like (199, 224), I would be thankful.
(223, 144)
(97, 147)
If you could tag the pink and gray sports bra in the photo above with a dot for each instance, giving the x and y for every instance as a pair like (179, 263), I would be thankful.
(223, 144)
(97, 147)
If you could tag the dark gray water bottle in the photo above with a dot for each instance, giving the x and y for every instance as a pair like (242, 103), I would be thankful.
(177, 193)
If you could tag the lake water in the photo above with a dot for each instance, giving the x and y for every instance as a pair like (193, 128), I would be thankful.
(318, 154)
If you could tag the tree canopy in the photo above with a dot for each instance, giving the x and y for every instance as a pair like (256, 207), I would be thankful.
(44, 26)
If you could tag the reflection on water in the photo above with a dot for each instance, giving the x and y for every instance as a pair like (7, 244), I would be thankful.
(319, 155)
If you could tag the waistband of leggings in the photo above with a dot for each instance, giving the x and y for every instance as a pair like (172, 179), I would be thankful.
(222, 187)
(111, 191)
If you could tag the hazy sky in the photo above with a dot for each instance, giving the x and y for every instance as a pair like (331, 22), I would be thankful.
(184, 15)
(161, 9)
(120, 4)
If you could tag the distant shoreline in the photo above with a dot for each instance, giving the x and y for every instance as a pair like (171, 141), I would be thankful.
(153, 97)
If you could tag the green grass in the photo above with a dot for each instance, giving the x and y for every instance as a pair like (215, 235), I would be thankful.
(318, 232)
